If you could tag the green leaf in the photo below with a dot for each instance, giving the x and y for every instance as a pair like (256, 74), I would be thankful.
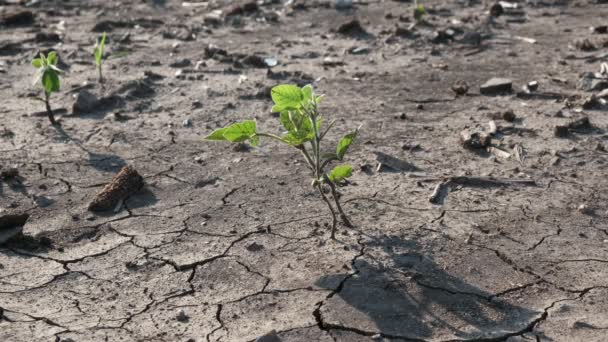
(98, 52)
(344, 143)
(307, 93)
(419, 12)
(218, 134)
(340, 172)
(52, 58)
(50, 81)
(240, 131)
(37, 62)
(285, 97)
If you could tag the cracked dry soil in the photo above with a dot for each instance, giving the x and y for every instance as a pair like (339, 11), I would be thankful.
(228, 245)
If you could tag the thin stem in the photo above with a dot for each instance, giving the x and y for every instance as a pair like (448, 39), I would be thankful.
(272, 136)
(343, 216)
(100, 75)
(49, 111)
(307, 157)
(333, 213)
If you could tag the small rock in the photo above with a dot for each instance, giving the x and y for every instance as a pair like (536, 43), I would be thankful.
(182, 317)
(187, 123)
(474, 140)
(585, 45)
(496, 86)
(182, 63)
(46, 37)
(359, 50)
(85, 102)
(271, 62)
(17, 18)
(561, 131)
(508, 115)
(344, 4)
(591, 102)
(351, 27)
(496, 10)
(254, 61)
(592, 82)
(460, 88)
(255, 247)
(531, 87)
(584, 209)
(601, 29)
(11, 225)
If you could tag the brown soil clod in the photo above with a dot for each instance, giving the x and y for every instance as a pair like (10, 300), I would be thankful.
(125, 183)
(11, 225)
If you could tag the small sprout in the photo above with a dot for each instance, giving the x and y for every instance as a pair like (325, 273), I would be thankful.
(304, 131)
(419, 12)
(98, 54)
(48, 74)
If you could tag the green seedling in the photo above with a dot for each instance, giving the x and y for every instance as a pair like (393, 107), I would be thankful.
(300, 118)
(98, 54)
(48, 74)
(419, 12)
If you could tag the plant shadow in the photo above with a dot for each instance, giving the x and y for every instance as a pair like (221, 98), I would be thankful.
(416, 298)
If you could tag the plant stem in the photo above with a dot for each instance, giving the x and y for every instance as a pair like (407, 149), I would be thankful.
(49, 111)
(99, 72)
(343, 216)
(333, 213)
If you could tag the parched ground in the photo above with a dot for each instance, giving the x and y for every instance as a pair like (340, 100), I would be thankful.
(228, 244)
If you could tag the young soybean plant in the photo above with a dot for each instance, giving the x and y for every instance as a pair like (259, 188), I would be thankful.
(300, 118)
(48, 74)
(98, 54)
(419, 12)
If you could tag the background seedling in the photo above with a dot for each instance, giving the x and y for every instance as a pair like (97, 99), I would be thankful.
(419, 12)
(98, 54)
(48, 74)
(300, 118)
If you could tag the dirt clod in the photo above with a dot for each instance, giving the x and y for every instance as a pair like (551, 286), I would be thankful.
(126, 182)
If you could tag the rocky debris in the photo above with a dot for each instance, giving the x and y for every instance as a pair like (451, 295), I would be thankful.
(600, 29)
(508, 115)
(182, 316)
(593, 102)
(182, 63)
(11, 225)
(126, 182)
(460, 88)
(110, 25)
(585, 45)
(496, 10)
(19, 18)
(386, 161)
(530, 87)
(47, 37)
(474, 139)
(442, 36)
(243, 8)
(9, 173)
(351, 27)
(86, 102)
(496, 86)
(580, 125)
(592, 81)
(255, 247)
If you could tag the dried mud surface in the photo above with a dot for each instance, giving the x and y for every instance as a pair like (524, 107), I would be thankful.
(229, 244)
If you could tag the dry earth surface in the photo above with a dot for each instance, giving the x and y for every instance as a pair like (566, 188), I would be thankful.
(229, 244)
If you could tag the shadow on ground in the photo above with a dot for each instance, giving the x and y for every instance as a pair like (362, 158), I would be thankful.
(408, 295)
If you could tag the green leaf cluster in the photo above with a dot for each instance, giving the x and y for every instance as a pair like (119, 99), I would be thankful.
(48, 73)
(419, 12)
(297, 108)
(98, 51)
